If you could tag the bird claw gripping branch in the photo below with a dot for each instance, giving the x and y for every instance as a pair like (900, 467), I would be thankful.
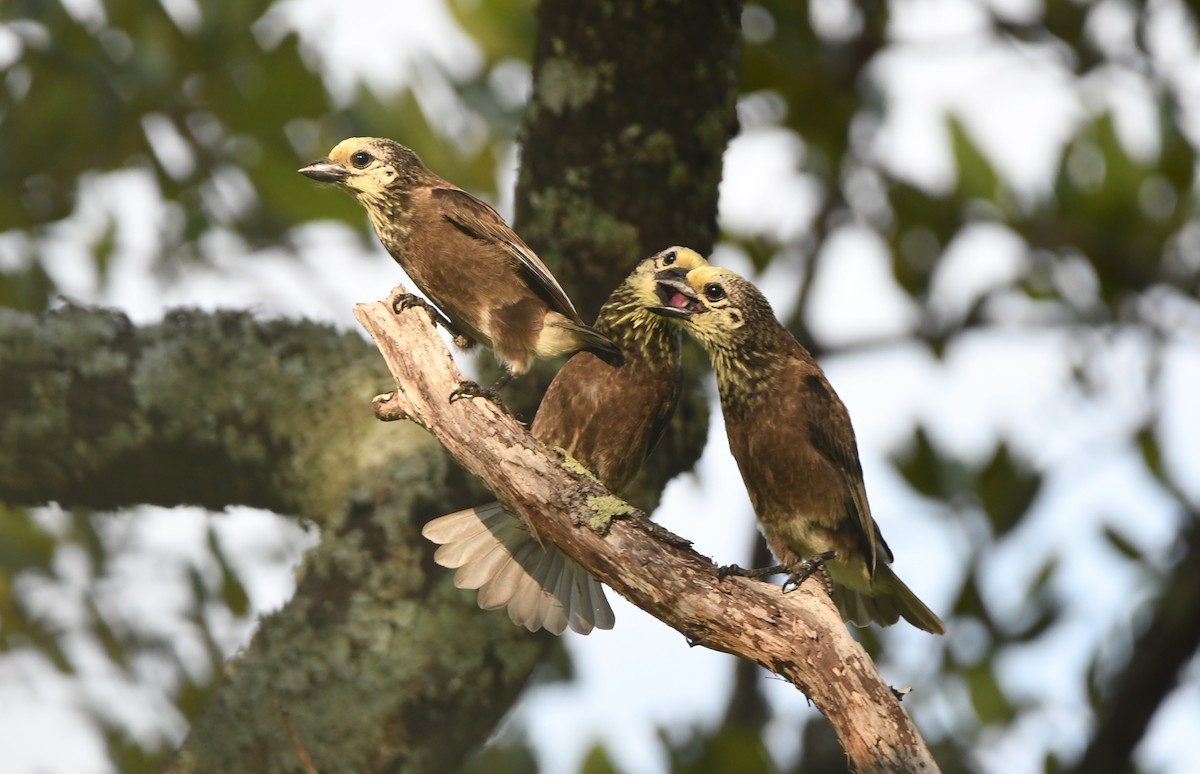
(403, 301)
(469, 389)
(802, 570)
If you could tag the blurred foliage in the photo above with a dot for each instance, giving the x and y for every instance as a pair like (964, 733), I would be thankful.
(1115, 232)
(68, 565)
(218, 108)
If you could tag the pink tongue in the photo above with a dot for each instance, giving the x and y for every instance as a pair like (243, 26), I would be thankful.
(678, 300)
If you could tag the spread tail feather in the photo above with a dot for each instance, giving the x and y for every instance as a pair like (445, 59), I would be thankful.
(540, 587)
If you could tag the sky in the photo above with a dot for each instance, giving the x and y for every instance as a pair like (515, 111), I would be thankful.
(1019, 103)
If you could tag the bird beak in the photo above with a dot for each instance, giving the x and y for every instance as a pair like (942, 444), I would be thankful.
(679, 300)
(325, 171)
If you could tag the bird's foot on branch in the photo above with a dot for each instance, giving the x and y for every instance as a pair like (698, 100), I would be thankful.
(805, 568)
(725, 571)
(402, 301)
(469, 389)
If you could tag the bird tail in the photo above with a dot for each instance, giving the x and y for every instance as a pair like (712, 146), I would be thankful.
(891, 600)
(539, 585)
(591, 339)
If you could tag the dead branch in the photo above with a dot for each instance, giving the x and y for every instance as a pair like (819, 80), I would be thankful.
(798, 636)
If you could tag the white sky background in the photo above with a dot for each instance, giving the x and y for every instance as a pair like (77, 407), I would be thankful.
(1019, 103)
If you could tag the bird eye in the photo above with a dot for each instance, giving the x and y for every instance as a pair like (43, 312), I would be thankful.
(361, 159)
(669, 258)
(714, 292)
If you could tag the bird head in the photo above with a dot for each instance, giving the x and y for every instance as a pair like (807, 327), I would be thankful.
(625, 315)
(366, 165)
(676, 260)
(714, 304)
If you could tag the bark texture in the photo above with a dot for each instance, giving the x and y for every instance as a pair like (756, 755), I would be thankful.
(799, 636)
(632, 108)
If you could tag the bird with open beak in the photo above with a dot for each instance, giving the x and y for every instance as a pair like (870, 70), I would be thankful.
(462, 255)
(795, 447)
(608, 416)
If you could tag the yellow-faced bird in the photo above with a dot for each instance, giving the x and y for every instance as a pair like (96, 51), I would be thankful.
(461, 254)
(608, 417)
(795, 447)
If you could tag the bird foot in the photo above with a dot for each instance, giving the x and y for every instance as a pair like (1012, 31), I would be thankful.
(403, 301)
(725, 571)
(469, 389)
(805, 568)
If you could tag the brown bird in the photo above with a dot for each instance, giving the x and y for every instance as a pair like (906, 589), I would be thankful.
(606, 416)
(461, 254)
(794, 445)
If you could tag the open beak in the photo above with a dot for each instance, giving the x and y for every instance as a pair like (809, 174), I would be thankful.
(324, 171)
(679, 300)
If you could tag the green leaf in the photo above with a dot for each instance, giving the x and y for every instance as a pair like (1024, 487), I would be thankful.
(115, 647)
(919, 464)
(987, 697)
(232, 593)
(921, 218)
(24, 545)
(1122, 545)
(597, 761)
(1151, 453)
(1006, 490)
(976, 177)
(927, 471)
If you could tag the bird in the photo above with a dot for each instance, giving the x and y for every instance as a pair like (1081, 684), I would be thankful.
(795, 447)
(608, 417)
(460, 253)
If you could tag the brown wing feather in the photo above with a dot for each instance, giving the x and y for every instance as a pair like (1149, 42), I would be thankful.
(607, 417)
(476, 218)
(832, 435)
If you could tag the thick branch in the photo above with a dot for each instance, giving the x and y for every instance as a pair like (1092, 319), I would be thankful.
(378, 661)
(799, 636)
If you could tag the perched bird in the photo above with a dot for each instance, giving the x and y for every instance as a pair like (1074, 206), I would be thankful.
(461, 254)
(608, 417)
(795, 447)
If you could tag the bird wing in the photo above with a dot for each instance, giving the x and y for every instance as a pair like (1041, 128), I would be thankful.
(476, 218)
(832, 435)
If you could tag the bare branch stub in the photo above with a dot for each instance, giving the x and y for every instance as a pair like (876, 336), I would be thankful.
(387, 408)
(798, 635)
